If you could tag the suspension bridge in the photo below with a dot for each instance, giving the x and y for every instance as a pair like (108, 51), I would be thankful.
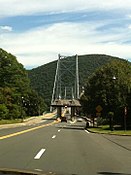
(66, 86)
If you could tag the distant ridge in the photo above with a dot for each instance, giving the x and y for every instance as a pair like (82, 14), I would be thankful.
(42, 77)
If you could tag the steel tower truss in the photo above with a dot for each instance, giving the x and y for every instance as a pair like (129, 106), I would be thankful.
(66, 83)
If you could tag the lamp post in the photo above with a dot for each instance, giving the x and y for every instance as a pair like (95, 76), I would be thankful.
(111, 113)
(113, 78)
(22, 100)
(125, 111)
(125, 115)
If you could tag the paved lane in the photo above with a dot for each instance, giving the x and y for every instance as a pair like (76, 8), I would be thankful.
(65, 150)
(19, 151)
(24, 126)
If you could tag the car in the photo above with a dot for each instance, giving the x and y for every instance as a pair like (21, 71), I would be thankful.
(79, 119)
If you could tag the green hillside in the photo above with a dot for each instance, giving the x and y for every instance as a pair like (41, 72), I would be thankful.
(42, 78)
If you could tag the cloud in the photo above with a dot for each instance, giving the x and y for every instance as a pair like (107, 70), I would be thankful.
(128, 16)
(85, 27)
(30, 7)
(129, 27)
(6, 28)
(42, 45)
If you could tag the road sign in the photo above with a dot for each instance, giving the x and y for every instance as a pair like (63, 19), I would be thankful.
(99, 108)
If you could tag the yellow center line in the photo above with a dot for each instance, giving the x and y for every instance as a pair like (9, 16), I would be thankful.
(27, 130)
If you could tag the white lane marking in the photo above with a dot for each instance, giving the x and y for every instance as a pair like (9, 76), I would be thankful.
(54, 136)
(87, 131)
(38, 156)
(59, 130)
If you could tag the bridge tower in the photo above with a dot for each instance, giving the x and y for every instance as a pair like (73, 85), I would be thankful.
(66, 84)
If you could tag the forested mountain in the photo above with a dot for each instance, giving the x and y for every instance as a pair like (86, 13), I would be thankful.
(17, 99)
(42, 78)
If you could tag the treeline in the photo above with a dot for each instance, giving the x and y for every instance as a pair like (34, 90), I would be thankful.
(17, 99)
(110, 89)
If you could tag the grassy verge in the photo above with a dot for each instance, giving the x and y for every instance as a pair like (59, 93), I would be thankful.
(105, 130)
(2, 122)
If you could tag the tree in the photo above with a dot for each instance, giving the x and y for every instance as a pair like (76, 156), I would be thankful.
(3, 111)
(109, 87)
(33, 104)
(14, 86)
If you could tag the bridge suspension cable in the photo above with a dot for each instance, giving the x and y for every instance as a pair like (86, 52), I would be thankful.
(66, 82)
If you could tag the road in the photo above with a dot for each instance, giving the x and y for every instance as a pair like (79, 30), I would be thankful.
(65, 149)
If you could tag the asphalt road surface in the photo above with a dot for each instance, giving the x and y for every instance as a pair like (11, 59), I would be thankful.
(64, 149)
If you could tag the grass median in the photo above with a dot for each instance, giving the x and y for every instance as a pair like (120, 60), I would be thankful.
(13, 121)
(106, 130)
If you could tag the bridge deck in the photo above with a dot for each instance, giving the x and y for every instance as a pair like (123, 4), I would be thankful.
(65, 102)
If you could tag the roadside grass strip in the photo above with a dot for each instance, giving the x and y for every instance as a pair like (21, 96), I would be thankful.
(102, 130)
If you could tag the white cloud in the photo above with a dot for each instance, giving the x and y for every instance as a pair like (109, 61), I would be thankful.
(6, 28)
(42, 45)
(129, 27)
(128, 16)
(28, 7)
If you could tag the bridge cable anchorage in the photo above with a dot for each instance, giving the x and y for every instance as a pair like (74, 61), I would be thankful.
(66, 86)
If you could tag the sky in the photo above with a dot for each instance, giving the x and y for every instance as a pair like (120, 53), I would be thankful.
(36, 31)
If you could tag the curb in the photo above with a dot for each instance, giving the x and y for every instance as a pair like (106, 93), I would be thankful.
(95, 132)
(17, 172)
